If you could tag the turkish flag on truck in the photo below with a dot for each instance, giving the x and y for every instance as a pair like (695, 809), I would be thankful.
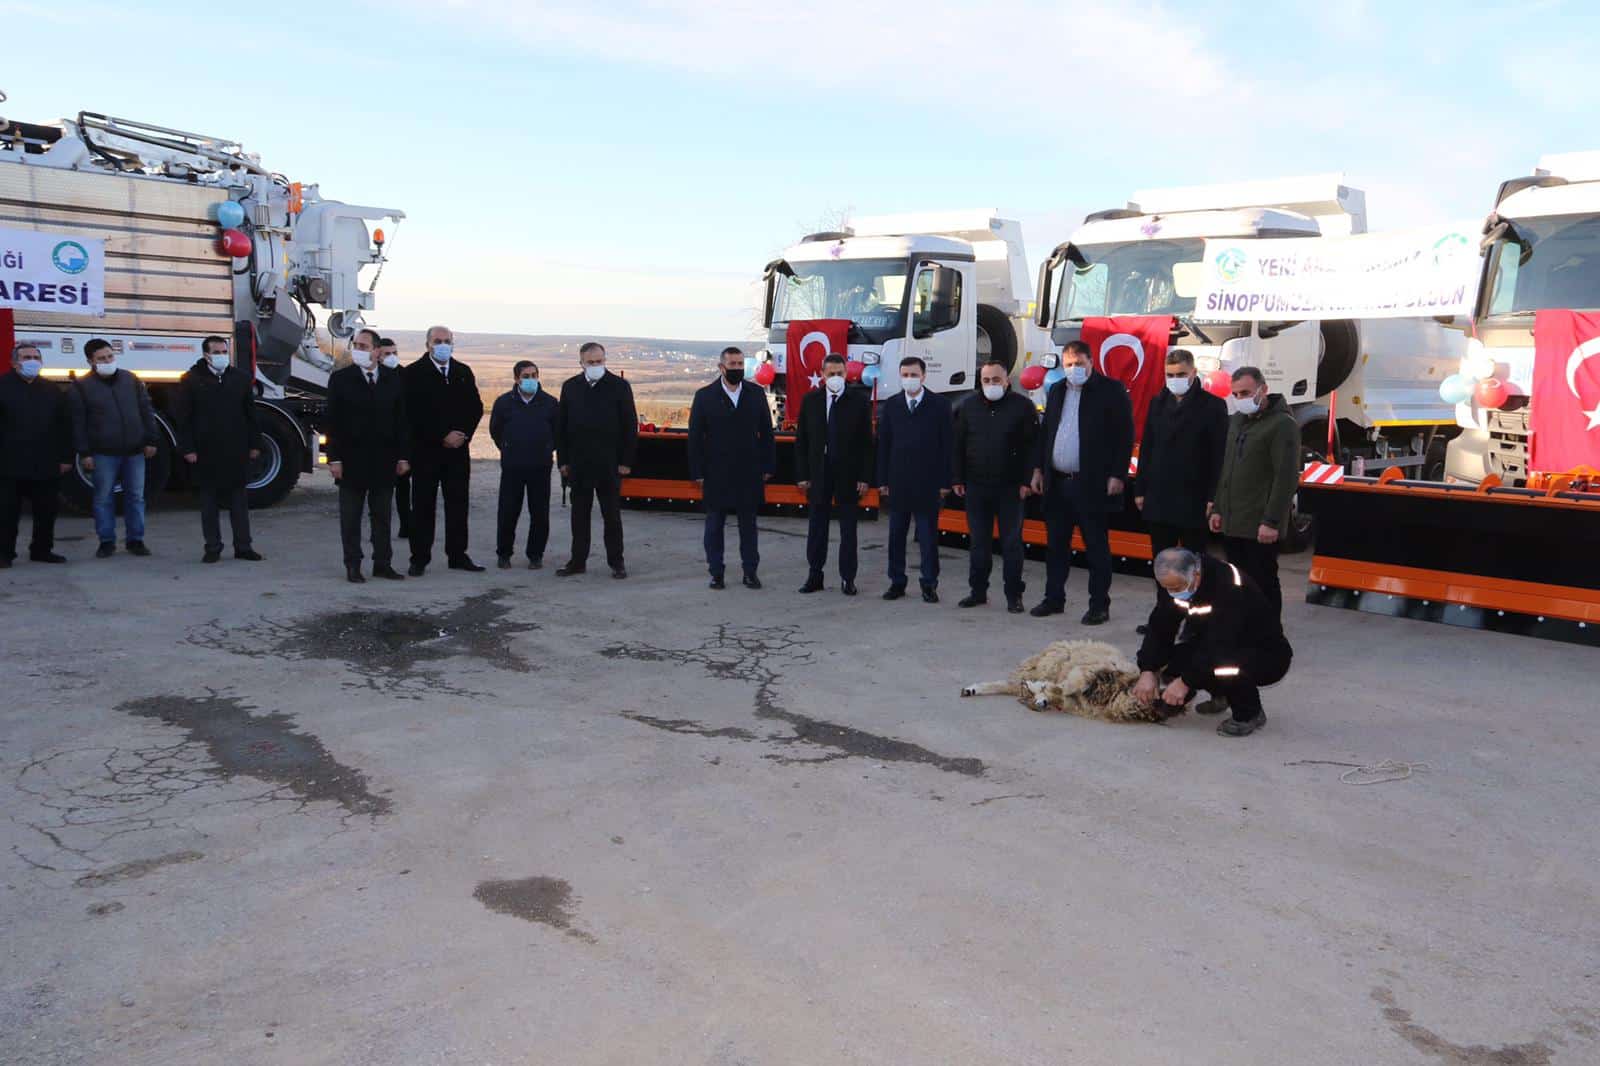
(805, 346)
(1132, 349)
(1564, 412)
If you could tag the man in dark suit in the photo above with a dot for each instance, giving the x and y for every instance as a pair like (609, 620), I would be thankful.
(995, 433)
(368, 437)
(914, 444)
(444, 407)
(731, 457)
(832, 457)
(597, 431)
(388, 355)
(1180, 458)
(523, 426)
(218, 437)
(1079, 469)
(35, 450)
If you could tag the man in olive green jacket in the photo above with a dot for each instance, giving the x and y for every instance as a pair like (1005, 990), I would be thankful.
(1260, 473)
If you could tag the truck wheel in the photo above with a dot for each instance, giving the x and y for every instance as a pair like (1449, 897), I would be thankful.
(1341, 348)
(1433, 462)
(274, 473)
(996, 337)
(77, 487)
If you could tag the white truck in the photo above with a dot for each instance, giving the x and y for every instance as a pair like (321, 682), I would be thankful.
(1541, 251)
(154, 195)
(1145, 259)
(948, 287)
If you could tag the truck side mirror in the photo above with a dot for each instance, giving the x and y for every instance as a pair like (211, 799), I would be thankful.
(1042, 308)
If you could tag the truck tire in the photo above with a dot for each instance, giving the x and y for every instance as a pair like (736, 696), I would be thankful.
(1341, 348)
(996, 338)
(77, 488)
(273, 475)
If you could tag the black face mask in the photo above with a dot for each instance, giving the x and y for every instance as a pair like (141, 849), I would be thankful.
(733, 375)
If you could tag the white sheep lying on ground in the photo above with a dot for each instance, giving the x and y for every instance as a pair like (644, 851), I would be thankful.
(1083, 677)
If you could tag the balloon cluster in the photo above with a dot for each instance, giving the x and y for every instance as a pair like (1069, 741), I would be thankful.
(232, 241)
(1476, 381)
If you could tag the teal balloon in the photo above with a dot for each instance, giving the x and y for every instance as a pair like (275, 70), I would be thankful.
(229, 215)
(1056, 374)
(1457, 388)
(869, 376)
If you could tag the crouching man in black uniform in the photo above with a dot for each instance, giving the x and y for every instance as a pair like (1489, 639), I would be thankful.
(1231, 643)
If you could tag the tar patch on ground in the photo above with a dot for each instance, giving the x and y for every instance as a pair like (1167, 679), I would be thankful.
(130, 871)
(393, 651)
(533, 899)
(1430, 1043)
(266, 747)
(754, 655)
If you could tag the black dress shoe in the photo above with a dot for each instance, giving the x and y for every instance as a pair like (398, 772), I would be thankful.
(751, 581)
(619, 572)
(352, 574)
(136, 547)
(211, 557)
(465, 562)
(417, 569)
(1044, 608)
(570, 569)
(1236, 727)
(1014, 606)
(388, 573)
(536, 564)
(974, 600)
(813, 584)
(249, 555)
(503, 562)
(894, 592)
(848, 588)
(930, 595)
(106, 550)
(46, 557)
(1093, 617)
(717, 582)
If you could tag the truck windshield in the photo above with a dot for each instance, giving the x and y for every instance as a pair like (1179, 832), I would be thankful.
(1557, 267)
(1134, 278)
(869, 292)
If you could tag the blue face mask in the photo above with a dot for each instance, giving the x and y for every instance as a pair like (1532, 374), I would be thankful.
(529, 386)
(29, 368)
(219, 361)
(441, 352)
(1184, 596)
(1077, 375)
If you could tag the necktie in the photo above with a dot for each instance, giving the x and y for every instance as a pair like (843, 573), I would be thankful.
(372, 377)
(833, 432)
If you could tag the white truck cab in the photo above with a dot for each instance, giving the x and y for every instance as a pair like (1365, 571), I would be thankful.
(950, 288)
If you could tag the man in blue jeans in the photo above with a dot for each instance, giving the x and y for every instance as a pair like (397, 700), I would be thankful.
(114, 432)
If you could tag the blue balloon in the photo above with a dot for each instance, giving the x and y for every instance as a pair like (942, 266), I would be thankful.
(1457, 388)
(1056, 374)
(869, 376)
(229, 215)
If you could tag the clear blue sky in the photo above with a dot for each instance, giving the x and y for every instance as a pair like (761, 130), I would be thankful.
(627, 168)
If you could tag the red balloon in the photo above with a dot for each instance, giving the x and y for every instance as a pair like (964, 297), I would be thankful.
(1032, 377)
(853, 371)
(233, 242)
(764, 374)
(1219, 383)
(1491, 393)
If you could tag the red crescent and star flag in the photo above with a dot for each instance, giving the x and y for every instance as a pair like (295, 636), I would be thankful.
(806, 344)
(1564, 411)
(1132, 349)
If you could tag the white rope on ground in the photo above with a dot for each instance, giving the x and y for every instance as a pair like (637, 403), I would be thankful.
(1377, 773)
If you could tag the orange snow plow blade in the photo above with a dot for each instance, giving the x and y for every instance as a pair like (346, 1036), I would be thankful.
(1508, 560)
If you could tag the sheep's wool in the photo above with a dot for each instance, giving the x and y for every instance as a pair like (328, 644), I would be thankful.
(1087, 678)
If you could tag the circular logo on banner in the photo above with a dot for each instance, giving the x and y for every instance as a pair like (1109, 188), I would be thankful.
(70, 257)
(1230, 264)
(1123, 340)
(1450, 246)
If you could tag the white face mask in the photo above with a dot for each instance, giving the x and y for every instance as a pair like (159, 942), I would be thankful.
(1247, 406)
(106, 369)
(1179, 386)
(992, 393)
(594, 373)
(911, 385)
(834, 384)
(361, 358)
(219, 361)
(1077, 375)
(391, 361)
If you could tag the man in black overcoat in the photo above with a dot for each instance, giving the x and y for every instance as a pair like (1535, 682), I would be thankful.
(731, 457)
(833, 460)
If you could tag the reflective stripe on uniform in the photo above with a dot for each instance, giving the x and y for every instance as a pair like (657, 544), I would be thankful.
(1226, 671)
(1237, 580)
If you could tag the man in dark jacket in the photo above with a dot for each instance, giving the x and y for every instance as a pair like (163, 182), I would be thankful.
(731, 457)
(35, 450)
(523, 426)
(368, 438)
(914, 444)
(218, 437)
(1082, 460)
(1180, 458)
(597, 431)
(1260, 474)
(114, 431)
(1233, 642)
(444, 409)
(996, 431)
(832, 460)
